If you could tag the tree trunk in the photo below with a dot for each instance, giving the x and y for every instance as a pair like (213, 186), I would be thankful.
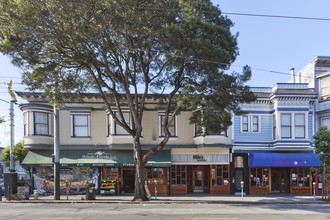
(141, 192)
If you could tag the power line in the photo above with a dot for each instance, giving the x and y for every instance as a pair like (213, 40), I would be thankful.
(277, 16)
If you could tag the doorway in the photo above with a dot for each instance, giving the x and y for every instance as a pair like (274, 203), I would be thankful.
(128, 180)
(198, 179)
(280, 180)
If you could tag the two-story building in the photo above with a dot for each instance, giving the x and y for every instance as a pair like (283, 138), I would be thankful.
(93, 148)
(273, 141)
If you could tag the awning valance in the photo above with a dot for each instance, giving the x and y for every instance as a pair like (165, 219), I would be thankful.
(118, 158)
(268, 159)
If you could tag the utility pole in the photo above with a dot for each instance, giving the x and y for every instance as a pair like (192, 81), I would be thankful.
(13, 100)
(56, 156)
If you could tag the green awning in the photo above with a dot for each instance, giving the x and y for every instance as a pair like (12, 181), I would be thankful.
(118, 158)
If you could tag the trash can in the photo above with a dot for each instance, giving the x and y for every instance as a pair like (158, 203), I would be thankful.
(90, 192)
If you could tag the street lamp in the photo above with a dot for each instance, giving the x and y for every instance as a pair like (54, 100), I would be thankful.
(11, 115)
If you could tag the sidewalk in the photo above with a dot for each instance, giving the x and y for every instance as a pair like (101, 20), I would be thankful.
(190, 198)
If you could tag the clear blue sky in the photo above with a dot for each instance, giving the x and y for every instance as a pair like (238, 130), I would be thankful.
(270, 44)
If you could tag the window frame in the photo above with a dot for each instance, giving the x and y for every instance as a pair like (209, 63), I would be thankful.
(87, 126)
(116, 125)
(34, 131)
(293, 126)
(161, 115)
(248, 123)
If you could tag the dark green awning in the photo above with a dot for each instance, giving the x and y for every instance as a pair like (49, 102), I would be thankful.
(118, 158)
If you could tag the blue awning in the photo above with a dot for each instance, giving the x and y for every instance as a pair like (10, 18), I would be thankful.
(268, 159)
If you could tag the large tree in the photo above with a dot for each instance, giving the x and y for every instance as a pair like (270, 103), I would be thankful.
(126, 50)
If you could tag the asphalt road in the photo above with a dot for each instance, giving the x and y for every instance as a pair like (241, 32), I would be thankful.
(90, 211)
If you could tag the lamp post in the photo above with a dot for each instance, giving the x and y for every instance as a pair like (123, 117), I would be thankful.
(11, 115)
(242, 187)
(314, 189)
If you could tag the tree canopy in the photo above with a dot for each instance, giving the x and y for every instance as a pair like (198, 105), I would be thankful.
(19, 153)
(322, 144)
(129, 48)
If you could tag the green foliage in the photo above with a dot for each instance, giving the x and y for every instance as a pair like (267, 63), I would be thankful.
(19, 153)
(126, 50)
(322, 144)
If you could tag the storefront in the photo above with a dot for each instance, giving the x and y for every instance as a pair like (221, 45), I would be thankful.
(281, 172)
(200, 170)
(78, 168)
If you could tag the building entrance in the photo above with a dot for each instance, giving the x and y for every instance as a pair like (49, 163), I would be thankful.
(128, 180)
(280, 180)
(198, 179)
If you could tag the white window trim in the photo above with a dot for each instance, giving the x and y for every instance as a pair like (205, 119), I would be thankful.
(31, 123)
(250, 123)
(88, 124)
(114, 124)
(323, 119)
(160, 125)
(293, 126)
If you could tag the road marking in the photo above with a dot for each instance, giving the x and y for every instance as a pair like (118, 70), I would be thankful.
(60, 218)
(211, 218)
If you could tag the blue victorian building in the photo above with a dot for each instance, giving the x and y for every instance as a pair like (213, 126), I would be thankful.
(273, 142)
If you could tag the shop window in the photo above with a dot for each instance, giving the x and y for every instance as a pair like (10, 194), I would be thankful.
(259, 177)
(80, 124)
(156, 175)
(178, 175)
(300, 177)
(110, 173)
(220, 175)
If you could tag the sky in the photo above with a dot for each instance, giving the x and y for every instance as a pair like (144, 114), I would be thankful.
(271, 46)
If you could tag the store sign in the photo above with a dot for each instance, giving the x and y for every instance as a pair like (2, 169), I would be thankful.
(99, 155)
(199, 157)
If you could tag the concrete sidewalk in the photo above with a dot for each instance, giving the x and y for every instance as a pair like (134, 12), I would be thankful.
(190, 198)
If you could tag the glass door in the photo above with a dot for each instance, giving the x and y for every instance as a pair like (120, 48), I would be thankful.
(198, 177)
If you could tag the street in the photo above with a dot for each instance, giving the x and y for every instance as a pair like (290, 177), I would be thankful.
(93, 211)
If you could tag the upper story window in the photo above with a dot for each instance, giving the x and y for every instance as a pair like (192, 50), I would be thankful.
(37, 123)
(325, 122)
(171, 128)
(250, 123)
(200, 131)
(325, 87)
(119, 130)
(41, 123)
(80, 124)
(274, 127)
(293, 125)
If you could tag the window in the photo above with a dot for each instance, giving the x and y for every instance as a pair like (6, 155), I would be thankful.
(325, 88)
(299, 122)
(80, 124)
(259, 177)
(171, 127)
(156, 175)
(119, 130)
(178, 175)
(26, 123)
(300, 177)
(274, 127)
(325, 122)
(41, 123)
(286, 125)
(298, 130)
(250, 123)
(220, 175)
